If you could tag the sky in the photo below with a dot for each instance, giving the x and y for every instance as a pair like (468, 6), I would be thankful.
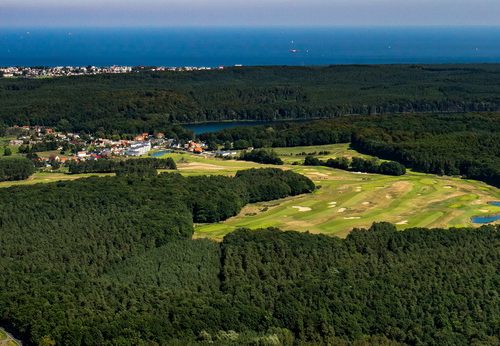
(264, 13)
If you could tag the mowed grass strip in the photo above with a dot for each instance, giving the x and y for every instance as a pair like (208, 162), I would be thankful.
(50, 177)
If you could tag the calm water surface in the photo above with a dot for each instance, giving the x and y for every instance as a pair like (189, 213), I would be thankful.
(202, 128)
(247, 46)
(487, 218)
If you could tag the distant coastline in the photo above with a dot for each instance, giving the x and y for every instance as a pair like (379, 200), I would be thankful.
(68, 71)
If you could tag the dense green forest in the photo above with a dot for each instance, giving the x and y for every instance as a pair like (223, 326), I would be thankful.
(58, 241)
(151, 101)
(14, 168)
(261, 156)
(358, 164)
(451, 144)
(110, 261)
(121, 167)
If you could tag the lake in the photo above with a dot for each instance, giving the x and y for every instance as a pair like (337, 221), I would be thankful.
(202, 128)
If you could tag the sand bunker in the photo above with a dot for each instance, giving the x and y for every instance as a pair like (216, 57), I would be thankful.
(404, 222)
(323, 175)
(366, 203)
(352, 218)
(201, 166)
(341, 210)
(332, 204)
(448, 187)
(301, 209)
(484, 210)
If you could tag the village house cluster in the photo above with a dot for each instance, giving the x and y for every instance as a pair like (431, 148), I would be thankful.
(49, 147)
(185, 68)
(65, 71)
(61, 71)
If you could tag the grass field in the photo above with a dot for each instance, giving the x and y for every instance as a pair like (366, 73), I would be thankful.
(4, 143)
(48, 177)
(344, 200)
(295, 154)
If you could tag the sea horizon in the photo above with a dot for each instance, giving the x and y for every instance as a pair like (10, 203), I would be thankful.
(248, 46)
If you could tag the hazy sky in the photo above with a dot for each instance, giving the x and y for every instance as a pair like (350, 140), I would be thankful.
(247, 12)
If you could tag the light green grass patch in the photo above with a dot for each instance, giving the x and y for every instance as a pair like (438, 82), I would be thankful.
(50, 177)
(293, 154)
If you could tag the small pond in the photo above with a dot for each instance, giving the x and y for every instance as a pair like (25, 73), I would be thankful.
(487, 218)
(161, 153)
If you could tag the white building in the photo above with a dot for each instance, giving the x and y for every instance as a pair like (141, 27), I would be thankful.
(139, 149)
(81, 154)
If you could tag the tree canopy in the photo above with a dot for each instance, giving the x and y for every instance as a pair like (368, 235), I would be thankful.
(14, 168)
(153, 101)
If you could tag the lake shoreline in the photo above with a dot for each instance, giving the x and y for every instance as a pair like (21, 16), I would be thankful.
(215, 126)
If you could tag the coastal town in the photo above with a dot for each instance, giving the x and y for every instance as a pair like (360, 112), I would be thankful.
(67, 71)
(49, 148)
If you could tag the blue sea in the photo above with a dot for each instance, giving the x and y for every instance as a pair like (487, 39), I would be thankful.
(247, 46)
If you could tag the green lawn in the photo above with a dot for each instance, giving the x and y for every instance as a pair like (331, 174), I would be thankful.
(4, 142)
(295, 154)
(48, 177)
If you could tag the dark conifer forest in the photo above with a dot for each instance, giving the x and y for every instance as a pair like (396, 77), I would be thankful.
(121, 167)
(14, 168)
